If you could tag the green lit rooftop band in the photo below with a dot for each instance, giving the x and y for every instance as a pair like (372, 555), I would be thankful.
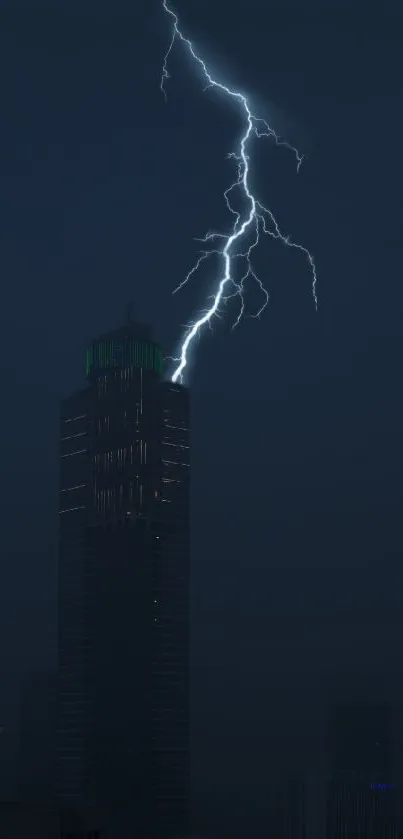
(109, 354)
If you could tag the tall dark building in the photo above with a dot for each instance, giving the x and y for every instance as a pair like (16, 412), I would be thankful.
(123, 698)
(363, 798)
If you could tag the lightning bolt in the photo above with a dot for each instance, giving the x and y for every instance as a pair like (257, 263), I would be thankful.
(258, 220)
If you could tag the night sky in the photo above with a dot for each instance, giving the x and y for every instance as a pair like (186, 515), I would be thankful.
(297, 419)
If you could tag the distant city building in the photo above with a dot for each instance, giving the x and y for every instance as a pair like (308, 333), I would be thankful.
(123, 692)
(363, 798)
(8, 763)
(29, 821)
(79, 824)
(20, 821)
(36, 757)
(287, 811)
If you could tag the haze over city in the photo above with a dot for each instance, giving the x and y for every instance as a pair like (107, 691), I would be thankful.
(295, 417)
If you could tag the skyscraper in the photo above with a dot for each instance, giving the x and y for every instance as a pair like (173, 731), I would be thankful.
(123, 699)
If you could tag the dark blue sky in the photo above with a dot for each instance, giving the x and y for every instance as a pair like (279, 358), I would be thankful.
(296, 419)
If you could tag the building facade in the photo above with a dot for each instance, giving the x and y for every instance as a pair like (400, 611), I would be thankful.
(123, 693)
